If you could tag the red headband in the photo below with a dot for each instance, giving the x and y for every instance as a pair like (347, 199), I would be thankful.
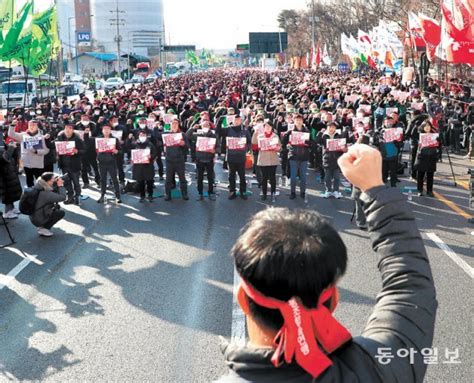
(301, 328)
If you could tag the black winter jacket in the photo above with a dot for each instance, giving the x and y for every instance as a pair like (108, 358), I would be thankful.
(297, 153)
(238, 156)
(403, 316)
(71, 163)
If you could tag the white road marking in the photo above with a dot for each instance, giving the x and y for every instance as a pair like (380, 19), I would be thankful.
(451, 254)
(5, 280)
(238, 318)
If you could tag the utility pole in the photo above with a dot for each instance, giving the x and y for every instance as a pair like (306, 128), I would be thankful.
(313, 29)
(117, 22)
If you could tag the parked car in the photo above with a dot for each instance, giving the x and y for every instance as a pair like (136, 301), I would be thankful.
(99, 84)
(151, 78)
(113, 83)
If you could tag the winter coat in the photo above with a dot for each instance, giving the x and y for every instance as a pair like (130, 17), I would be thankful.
(177, 153)
(389, 150)
(71, 163)
(46, 203)
(109, 157)
(204, 157)
(329, 158)
(144, 172)
(266, 158)
(403, 316)
(10, 186)
(426, 159)
(297, 153)
(33, 159)
(238, 156)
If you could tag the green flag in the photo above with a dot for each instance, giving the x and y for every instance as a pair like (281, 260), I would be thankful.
(45, 26)
(7, 15)
(11, 39)
(46, 44)
(192, 58)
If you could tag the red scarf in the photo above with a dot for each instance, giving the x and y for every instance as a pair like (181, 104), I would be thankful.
(303, 329)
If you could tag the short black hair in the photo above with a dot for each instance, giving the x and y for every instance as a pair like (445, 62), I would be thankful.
(287, 253)
(47, 176)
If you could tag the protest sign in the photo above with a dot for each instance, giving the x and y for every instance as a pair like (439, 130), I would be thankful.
(236, 143)
(299, 138)
(141, 156)
(150, 124)
(105, 145)
(365, 108)
(394, 134)
(336, 145)
(429, 140)
(172, 139)
(65, 148)
(417, 105)
(269, 144)
(32, 142)
(206, 144)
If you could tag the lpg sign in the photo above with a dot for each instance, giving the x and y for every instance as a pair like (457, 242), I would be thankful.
(84, 39)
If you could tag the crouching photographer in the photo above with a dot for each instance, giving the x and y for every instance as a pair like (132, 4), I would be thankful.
(45, 197)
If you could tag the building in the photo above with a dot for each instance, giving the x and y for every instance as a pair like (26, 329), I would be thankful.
(140, 27)
(83, 36)
(94, 63)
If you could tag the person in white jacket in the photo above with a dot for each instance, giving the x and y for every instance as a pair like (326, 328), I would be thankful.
(32, 151)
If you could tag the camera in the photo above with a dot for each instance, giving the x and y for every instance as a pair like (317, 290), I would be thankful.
(65, 178)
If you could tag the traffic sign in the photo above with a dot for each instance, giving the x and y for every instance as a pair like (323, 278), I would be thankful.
(343, 67)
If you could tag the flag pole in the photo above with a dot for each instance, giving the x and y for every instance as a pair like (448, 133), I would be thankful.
(10, 71)
(25, 69)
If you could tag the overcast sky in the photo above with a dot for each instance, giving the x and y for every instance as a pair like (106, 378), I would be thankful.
(220, 24)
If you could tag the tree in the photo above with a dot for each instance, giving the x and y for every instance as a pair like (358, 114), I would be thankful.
(345, 16)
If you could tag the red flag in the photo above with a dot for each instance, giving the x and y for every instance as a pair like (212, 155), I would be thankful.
(371, 63)
(458, 37)
(313, 57)
(431, 34)
(388, 58)
(416, 34)
(318, 55)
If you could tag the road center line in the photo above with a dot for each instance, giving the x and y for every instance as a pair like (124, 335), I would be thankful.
(451, 254)
(238, 318)
(452, 205)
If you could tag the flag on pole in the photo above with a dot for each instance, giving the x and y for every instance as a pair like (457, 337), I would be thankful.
(416, 33)
(326, 59)
(365, 42)
(318, 55)
(14, 46)
(457, 32)
(7, 16)
(345, 45)
(431, 32)
(388, 58)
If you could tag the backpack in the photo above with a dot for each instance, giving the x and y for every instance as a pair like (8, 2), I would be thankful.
(389, 150)
(28, 201)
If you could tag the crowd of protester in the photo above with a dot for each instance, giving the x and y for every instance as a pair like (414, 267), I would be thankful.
(267, 122)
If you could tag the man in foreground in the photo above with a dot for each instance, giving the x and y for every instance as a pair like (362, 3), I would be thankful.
(290, 262)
